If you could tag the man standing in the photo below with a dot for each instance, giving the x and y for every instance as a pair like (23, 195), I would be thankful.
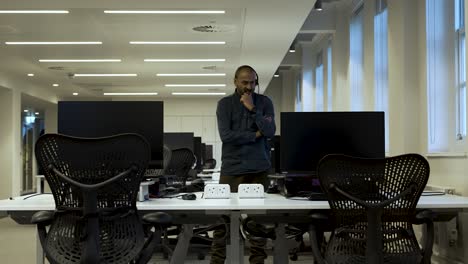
(245, 122)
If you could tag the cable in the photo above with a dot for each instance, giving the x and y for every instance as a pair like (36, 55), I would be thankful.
(33, 195)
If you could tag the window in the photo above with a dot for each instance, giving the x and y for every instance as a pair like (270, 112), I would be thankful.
(381, 64)
(461, 69)
(298, 107)
(329, 78)
(319, 83)
(440, 76)
(356, 57)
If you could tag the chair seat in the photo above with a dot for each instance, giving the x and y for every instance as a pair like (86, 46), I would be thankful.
(388, 259)
(118, 238)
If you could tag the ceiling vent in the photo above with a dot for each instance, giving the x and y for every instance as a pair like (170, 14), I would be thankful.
(211, 67)
(56, 68)
(214, 28)
(5, 29)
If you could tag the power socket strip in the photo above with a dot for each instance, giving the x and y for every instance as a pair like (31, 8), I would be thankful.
(217, 191)
(251, 190)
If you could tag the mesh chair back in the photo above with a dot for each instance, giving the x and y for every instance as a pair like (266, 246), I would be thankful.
(167, 155)
(182, 160)
(94, 161)
(376, 183)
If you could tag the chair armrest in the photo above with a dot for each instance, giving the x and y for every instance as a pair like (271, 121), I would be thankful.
(423, 217)
(43, 217)
(157, 218)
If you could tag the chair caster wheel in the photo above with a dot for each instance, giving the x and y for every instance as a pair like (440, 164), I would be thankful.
(293, 257)
(201, 256)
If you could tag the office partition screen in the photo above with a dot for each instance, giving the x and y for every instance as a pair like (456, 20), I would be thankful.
(306, 137)
(106, 118)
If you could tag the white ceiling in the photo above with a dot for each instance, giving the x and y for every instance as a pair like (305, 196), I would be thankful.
(259, 33)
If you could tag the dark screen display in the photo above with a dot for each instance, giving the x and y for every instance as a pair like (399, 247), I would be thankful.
(179, 140)
(106, 118)
(306, 137)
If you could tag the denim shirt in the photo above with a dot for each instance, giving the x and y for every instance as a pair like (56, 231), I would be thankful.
(242, 152)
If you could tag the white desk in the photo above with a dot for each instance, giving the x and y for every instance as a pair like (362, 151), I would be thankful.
(278, 209)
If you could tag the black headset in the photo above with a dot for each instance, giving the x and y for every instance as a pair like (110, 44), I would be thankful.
(244, 67)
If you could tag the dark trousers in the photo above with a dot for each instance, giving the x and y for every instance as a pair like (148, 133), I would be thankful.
(257, 246)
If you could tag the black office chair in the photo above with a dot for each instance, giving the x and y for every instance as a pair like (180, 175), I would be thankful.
(167, 153)
(373, 207)
(182, 161)
(95, 183)
(209, 164)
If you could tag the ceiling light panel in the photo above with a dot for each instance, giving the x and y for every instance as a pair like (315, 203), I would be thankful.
(34, 12)
(178, 42)
(184, 93)
(53, 43)
(189, 74)
(184, 60)
(72, 60)
(164, 11)
(195, 85)
(105, 75)
(130, 93)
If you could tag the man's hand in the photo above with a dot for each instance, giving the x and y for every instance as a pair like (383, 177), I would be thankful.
(247, 101)
(258, 134)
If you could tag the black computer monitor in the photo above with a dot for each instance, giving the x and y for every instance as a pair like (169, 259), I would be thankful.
(203, 152)
(106, 118)
(306, 137)
(197, 150)
(176, 140)
(275, 151)
(208, 152)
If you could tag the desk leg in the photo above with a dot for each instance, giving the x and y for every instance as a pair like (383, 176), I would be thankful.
(280, 254)
(236, 247)
(39, 252)
(181, 249)
(463, 218)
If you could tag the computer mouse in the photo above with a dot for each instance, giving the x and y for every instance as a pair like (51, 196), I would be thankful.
(170, 189)
(189, 196)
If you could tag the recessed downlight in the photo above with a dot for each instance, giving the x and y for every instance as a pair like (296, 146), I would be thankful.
(75, 94)
(55, 85)
(30, 74)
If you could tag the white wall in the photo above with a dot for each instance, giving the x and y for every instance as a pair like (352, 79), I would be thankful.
(11, 92)
(275, 94)
(6, 139)
(197, 115)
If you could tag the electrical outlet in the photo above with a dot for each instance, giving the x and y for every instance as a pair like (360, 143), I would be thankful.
(251, 190)
(217, 191)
